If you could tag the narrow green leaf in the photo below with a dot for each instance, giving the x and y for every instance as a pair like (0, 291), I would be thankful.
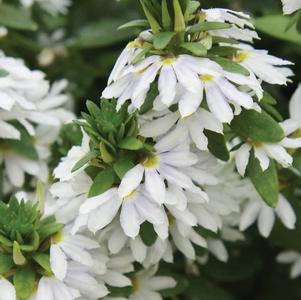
(6, 263)
(135, 23)
(102, 182)
(224, 51)
(197, 49)
(141, 54)
(84, 160)
(162, 39)
(207, 26)
(24, 282)
(49, 229)
(131, 143)
(179, 17)
(166, 20)
(231, 66)
(18, 256)
(257, 127)
(122, 166)
(217, 145)
(43, 260)
(155, 26)
(150, 98)
(266, 183)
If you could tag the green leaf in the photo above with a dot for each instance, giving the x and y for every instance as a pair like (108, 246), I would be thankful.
(24, 282)
(148, 234)
(16, 17)
(162, 39)
(197, 49)
(18, 256)
(207, 26)
(224, 51)
(6, 263)
(257, 127)
(135, 23)
(150, 98)
(276, 26)
(43, 260)
(122, 166)
(230, 66)
(49, 229)
(131, 143)
(102, 182)
(84, 160)
(179, 21)
(3, 73)
(24, 146)
(217, 145)
(266, 183)
(155, 26)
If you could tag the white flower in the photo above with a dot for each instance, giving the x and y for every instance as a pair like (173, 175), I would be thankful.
(189, 127)
(256, 209)
(295, 106)
(192, 76)
(50, 288)
(163, 165)
(136, 208)
(53, 7)
(8, 291)
(266, 67)
(240, 24)
(264, 151)
(64, 170)
(66, 246)
(290, 6)
(146, 285)
(291, 257)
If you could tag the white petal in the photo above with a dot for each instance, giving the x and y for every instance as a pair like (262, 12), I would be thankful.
(278, 153)
(264, 160)
(129, 219)
(58, 262)
(242, 158)
(167, 84)
(286, 213)
(130, 181)
(249, 215)
(266, 221)
(295, 105)
(189, 104)
(155, 185)
(7, 290)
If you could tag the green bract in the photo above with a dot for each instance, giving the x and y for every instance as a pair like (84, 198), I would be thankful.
(115, 144)
(25, 240)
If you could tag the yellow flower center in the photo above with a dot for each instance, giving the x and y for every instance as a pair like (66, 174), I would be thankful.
(240, 57)
(151, 161)
(134, 44)
(169, 60)
(255, 144)
(206, 77)
(58, 237)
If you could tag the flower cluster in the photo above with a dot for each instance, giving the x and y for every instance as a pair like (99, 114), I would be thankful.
(53, 7)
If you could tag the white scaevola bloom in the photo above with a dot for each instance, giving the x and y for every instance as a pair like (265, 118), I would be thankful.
(293, 258)
(290, 6)
(135, 208)
(256, 210)
(295, 106)
(66, 246)
(193, 76)
(164, 164)
(265, 66)
(8, 291)
(176, 128)
(116, 241)
(147, 286)
(53, 7)
(217, 248)
(242, 28)
(63, 171)
(264, 151)
(50, 288)
(67, 197)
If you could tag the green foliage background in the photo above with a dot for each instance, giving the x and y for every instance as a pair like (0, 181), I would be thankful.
(91, 45)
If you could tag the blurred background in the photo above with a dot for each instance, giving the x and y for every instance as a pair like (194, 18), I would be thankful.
(82, 47)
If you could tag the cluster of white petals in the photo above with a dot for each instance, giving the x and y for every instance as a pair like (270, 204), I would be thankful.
(53, 7)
